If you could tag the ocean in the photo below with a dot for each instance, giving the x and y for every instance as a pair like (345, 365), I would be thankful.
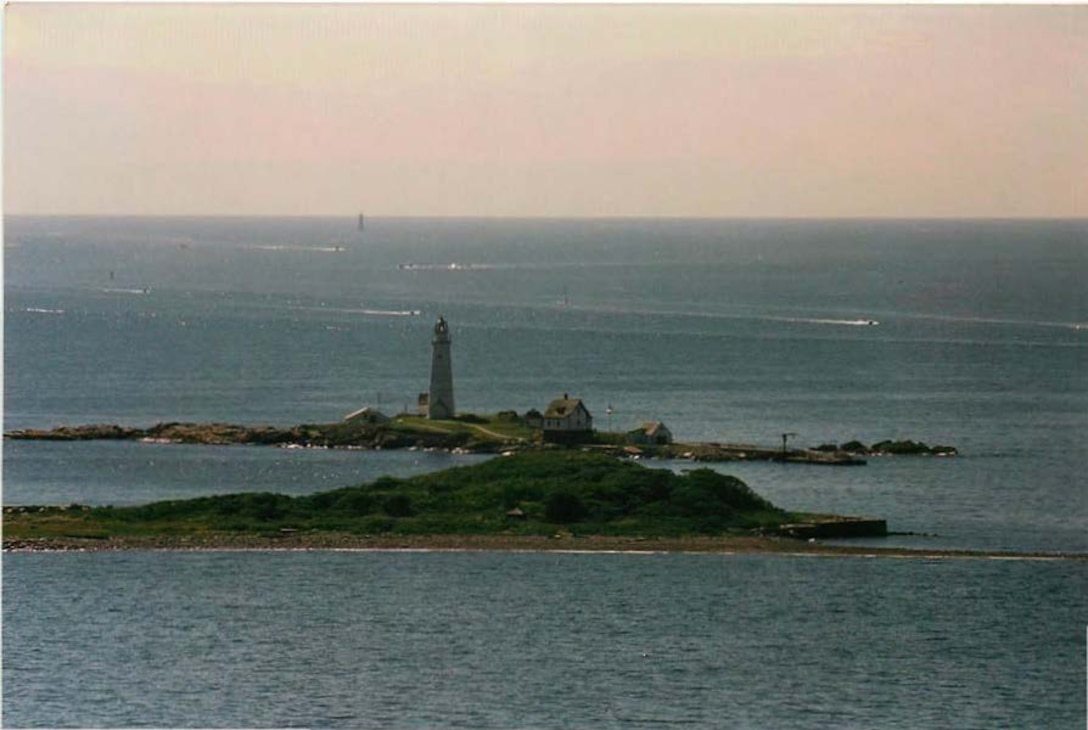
(968, 333)
(492, 640)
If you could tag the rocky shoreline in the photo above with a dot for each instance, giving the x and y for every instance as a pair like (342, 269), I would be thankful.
(749, 545)
(368, 436)
(222, 434)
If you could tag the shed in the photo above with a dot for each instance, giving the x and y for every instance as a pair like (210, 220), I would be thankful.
(651, 433)
(366, 415)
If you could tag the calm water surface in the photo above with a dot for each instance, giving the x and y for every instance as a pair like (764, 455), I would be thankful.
(535, 640)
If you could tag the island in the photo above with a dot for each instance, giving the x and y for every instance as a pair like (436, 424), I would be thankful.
(495, 433)
(531, 500)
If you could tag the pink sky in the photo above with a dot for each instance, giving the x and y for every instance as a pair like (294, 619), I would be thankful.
(560, 110)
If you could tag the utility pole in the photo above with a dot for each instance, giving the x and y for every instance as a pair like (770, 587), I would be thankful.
(785, 437)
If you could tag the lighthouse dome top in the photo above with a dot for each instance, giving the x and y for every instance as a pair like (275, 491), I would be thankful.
(440, 327)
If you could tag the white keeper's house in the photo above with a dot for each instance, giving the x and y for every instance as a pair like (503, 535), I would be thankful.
(567, 415)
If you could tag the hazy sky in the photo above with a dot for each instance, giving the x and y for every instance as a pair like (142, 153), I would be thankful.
(555, 110)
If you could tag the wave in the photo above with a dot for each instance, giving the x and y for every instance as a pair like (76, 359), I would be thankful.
(42, 310)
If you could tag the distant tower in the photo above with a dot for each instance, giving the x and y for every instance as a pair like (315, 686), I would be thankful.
(440, 401)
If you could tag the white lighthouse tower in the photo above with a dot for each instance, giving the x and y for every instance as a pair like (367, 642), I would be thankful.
(440, 398)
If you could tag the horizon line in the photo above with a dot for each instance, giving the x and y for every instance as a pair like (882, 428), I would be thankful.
(587, 218)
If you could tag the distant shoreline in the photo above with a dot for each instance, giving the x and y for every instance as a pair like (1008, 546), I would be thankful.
(468, 433)
(336, 542)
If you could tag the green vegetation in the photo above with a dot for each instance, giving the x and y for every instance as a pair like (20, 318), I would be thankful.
(500, 427)
(531, 493)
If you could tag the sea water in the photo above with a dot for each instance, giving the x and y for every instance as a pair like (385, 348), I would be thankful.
(969, 333)
(494, 640)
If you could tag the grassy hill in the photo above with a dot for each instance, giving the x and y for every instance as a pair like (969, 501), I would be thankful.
(531, 493)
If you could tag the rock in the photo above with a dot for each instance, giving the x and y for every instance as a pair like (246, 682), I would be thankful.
(911, 448)
(835, 527)
(855, 447)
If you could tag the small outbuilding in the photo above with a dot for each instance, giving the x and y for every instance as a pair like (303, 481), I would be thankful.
(534, 418)
(366, 415)
(651, 433)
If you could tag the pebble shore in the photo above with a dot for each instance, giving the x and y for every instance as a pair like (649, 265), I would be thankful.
(501, 543)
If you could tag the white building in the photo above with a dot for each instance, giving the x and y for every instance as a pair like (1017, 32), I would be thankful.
(567, 414)
(366, 415)
(440, 397)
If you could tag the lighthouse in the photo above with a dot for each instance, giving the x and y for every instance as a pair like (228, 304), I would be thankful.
(440, 397)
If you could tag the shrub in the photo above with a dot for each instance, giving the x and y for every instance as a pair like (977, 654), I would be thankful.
(398, 505)
(355, 502)
(264, 506)
(375, 524)
(598, 492)
(563, 508)
(470, 418)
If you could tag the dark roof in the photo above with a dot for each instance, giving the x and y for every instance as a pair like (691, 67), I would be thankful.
(650, 428)
(563, 407)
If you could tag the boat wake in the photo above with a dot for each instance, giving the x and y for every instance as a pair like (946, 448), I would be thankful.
(42, 310)
(1075, 326)
(110, 290)
(837, 322)
(299, 249)
(453, 266)
(389, 312)
(365, 311)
